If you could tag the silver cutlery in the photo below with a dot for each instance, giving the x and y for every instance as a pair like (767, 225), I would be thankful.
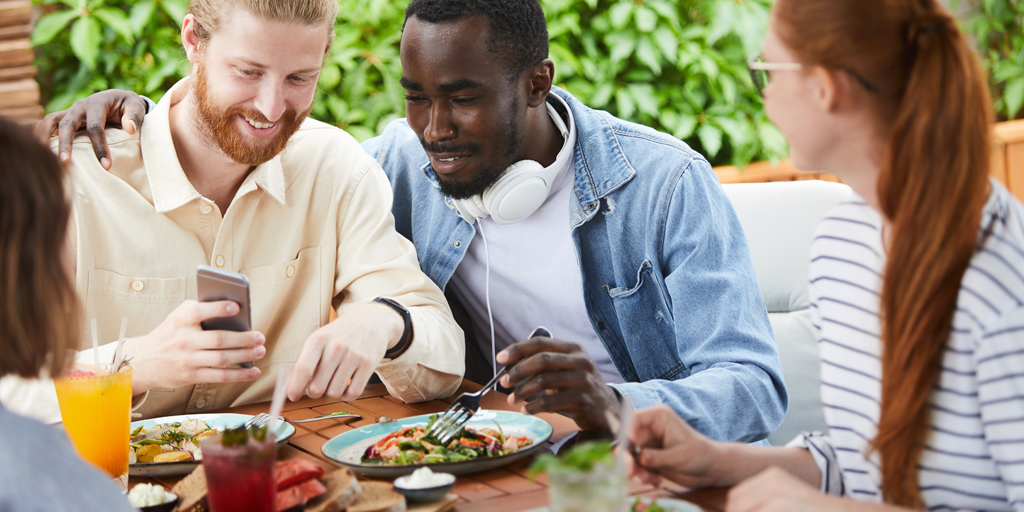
(462, 409)
(331, 416)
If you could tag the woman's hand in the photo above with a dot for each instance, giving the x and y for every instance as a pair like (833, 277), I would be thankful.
(670, 448)
(775, 489)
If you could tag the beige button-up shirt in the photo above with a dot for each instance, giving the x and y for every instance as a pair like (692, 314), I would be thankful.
(310, 228)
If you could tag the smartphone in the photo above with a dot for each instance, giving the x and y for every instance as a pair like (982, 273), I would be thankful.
(215, 285)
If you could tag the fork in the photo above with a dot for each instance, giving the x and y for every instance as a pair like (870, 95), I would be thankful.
(258, 421)
(462, 409)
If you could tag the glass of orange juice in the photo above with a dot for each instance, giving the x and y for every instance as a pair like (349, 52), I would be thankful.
(95, 404)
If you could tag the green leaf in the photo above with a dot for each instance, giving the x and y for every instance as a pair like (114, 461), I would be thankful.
(619, 14)
(645, 98)
(624, 103)
(646, 19)
(1014, 96)
(85, 40)
(685, 127)
(117, 20)
(646, 53)
(602, 96)
(330, 75)
(141, 14)
(50, 25)
(667, 43)
(176, 9)
(622, 47)
(711, 138)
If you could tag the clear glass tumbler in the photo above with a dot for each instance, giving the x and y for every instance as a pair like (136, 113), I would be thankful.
(602, 490)
(95, 405)
(240, 478)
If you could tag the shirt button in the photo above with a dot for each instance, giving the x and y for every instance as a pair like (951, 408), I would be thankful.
(458, 244)
(600, 326)
(138, 285)
(591, 206)
(200, 403)
(206, 209)
(403, 388)
(387, 368)
(220, 261)
(291, 271)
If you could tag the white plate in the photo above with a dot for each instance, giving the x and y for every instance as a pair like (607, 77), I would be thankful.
(284, 431)
(347, 449)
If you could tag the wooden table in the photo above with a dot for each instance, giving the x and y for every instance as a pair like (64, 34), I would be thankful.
(501, 490)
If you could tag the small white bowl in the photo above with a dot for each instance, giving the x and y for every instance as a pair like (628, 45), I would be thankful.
(424, 494)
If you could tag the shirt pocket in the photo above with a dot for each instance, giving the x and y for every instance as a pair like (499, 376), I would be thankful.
(286, 304)
(145, 301)
(646, 323)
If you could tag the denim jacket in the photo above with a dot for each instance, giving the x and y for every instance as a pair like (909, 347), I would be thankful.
(668, 281)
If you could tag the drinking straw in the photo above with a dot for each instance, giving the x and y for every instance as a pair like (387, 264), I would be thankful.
(277, 403)
(119, 353)
(95, 346)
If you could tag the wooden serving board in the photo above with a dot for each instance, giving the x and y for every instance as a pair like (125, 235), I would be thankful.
(444, 505)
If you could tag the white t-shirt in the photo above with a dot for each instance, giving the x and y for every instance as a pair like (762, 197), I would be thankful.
(534, 279)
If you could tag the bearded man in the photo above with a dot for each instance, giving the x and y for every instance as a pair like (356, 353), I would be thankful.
(229, 172)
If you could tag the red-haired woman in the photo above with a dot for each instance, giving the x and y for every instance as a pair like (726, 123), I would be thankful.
(39, 325)
(917, 283)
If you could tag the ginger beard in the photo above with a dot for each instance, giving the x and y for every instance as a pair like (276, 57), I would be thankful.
(219, 126)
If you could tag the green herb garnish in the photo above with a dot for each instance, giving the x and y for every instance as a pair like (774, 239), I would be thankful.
(582, 458)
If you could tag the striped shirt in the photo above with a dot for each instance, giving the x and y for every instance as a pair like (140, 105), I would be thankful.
(974, 456)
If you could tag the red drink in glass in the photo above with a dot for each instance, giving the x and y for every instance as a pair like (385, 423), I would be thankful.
(240, 478)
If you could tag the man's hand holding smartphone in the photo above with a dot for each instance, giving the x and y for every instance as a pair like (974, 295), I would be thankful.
(180, 353)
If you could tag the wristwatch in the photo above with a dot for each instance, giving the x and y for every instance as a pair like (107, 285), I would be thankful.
(403, 343)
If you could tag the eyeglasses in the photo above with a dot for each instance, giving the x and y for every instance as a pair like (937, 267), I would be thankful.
(759, 69)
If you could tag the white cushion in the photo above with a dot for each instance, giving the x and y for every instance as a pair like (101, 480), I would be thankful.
(779, 220)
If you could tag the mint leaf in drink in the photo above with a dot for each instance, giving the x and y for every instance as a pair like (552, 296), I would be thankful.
(582, 458)
(259, 434)
(234, 436)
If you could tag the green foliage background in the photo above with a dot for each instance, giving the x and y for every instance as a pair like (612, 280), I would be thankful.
(675, 65)
(998, 28)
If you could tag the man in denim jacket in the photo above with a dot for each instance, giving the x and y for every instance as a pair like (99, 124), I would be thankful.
(668, 287)
(634, 256)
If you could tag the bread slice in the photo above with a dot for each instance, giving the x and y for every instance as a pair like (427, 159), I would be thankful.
(191, 492)
(342, 490)
(378, 497)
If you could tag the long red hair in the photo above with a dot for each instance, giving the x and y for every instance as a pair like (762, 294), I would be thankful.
(933, 107)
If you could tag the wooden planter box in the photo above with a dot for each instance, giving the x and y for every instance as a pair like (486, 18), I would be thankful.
(19, 92)
(1007, 164)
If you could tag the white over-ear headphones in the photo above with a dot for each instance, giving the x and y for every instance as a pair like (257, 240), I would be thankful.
(525, 185)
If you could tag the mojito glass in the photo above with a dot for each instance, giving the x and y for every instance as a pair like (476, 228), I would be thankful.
(240, 478)
(604, 489)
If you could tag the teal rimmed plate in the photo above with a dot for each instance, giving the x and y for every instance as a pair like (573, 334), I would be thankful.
(284, 431)
(347, 449)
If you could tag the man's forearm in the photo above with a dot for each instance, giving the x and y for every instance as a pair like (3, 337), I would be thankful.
(728, 402)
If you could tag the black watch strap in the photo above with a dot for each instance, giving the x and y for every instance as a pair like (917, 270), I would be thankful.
(403, 343)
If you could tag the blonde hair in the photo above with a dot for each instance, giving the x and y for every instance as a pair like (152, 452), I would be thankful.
(211, 14)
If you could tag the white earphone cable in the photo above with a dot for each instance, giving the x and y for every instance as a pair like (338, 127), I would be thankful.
(487, 294)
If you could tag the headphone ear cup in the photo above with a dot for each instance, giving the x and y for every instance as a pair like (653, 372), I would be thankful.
(520, 192)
